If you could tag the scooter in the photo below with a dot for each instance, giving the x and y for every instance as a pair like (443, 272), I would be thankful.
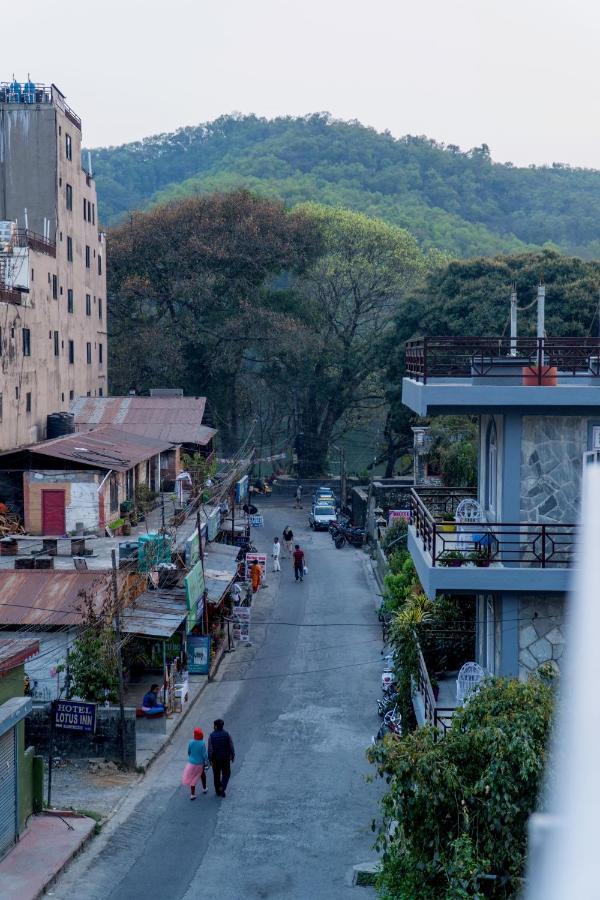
(392, 724)
(388, 681)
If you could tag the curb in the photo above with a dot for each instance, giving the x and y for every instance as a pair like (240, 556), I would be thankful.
(67, 862)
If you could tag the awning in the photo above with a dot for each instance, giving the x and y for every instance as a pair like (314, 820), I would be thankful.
(155, 613)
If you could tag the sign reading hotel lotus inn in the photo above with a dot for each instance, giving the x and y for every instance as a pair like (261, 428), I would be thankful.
(74, 715)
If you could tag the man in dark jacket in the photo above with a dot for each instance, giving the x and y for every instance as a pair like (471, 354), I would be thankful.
(221, 754)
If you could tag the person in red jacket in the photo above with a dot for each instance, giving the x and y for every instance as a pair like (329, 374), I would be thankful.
(298, 557)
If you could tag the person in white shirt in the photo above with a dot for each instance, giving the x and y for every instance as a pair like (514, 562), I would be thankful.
(276, 552)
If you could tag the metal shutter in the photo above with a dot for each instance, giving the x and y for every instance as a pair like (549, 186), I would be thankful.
(8, 791)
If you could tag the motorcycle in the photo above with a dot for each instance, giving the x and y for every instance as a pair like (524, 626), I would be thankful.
(388, 681)
(387, 702)
(392, 724)
(353, 536)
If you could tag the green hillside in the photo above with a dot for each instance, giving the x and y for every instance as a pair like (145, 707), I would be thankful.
(457, 201)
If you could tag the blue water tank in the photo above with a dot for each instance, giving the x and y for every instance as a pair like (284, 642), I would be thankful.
(15, 92)
(29, 92)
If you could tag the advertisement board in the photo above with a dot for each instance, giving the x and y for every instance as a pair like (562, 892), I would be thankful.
(260, 558)
(192, 549)
(213, 523)
(241, 489)
(198, 654)
(74, 715)
(256, 521)
(194, 590)
(241, 617)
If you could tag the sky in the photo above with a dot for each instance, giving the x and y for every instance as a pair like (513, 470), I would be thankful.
(519, 75)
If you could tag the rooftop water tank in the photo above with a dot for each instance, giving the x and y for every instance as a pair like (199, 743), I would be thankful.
(60, 423)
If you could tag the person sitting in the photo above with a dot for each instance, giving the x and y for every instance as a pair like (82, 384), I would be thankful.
(150, 704)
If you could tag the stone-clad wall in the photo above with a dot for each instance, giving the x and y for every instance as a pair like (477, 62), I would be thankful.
(552, 448)
(541, 633)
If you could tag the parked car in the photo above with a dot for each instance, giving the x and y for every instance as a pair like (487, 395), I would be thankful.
(324, 497)
(321, 515)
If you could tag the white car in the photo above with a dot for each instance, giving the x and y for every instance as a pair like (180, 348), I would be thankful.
(320, 517)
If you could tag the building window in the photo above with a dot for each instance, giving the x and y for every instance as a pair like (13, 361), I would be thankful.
(89, 394)
(68, 146)
(26, 342)
(69, 196)
(88, 353)
(28, 402)
(93, 213)
(85, 212)
(0, 407)
(71, 395)
(70, 300)
(87, 257)
(69, 249)
(32, 274)
(100, 354)
(99, 265)
(56, 344)
(88, 304)
(99, 307)
(491, 457)
(17, 392)
(71, 352)
(55, 287)
(100, 392)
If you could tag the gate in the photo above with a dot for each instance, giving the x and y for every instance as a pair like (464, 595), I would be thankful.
(8, 790)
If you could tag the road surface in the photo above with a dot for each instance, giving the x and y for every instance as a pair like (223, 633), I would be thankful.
(300, 705)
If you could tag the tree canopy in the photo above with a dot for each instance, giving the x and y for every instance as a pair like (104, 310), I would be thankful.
(461, 202)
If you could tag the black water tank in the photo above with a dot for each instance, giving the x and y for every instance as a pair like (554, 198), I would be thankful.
(60, 423)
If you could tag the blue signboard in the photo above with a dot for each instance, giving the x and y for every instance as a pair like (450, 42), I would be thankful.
(74, 715)
(198, 654)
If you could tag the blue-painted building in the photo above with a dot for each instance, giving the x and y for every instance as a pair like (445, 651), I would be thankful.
(537, 401)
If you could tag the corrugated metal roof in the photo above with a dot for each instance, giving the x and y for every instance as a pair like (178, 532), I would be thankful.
(106, 447)
(220, 566)
(15, 651)
(175, 419)
(41, 597)
(155, 613)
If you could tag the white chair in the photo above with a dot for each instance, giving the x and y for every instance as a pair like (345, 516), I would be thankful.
(469, 679)
(468, 512)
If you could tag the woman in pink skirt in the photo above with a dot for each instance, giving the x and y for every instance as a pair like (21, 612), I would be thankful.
(197, 761)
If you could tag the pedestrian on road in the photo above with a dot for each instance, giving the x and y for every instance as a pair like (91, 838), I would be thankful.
(197, 761)
(276, 551)
(299, 497)
(299, 563)
(255, 576)
(221, 754)
(288, 537)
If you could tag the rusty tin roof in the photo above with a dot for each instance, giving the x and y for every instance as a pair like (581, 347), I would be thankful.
(174, 419)
(46, 598)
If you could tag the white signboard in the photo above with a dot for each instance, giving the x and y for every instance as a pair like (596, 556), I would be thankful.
(241, 617)
(256, 521)
(260, 558)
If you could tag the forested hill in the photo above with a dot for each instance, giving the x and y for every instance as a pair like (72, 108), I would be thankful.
(457, 201)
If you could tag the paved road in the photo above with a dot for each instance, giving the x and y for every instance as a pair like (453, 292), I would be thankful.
(300, 704)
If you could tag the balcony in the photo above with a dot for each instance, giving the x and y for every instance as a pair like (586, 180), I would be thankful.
(474, 557)
(35, 94)
(500, 371)
(9, 295)
(431, 709)
(23, 237)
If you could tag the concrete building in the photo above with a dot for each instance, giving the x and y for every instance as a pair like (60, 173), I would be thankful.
(53, 345)
(512, 547)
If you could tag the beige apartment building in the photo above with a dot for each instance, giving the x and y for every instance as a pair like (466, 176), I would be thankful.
(53, 345)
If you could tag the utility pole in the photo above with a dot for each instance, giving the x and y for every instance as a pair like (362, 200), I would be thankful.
(117, 601)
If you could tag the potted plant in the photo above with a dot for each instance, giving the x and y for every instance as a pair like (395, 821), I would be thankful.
(452, 559)
(448, 523)
(480, 557)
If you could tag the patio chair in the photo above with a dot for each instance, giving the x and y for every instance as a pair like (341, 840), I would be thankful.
(468, 512)
(469, 679)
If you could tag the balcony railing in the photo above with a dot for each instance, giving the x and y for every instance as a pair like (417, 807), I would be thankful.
(33, 94)
(23, 237)
(439, 717)
(525, 360)
(524, 544)
(8, 295)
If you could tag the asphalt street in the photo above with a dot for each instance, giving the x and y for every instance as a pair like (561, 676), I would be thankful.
(300, 705)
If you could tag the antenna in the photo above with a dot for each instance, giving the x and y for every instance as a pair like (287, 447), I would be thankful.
(513, 320)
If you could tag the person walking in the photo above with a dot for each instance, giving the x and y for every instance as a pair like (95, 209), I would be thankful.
(275, 554)
(299, 563)
(255, 576)
(288, 538)
(299, 497)
(195, 768)
(221, 754)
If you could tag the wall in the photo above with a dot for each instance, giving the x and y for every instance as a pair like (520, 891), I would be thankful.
(552, 448)
(34, 174)
(541, 633)
(12, 684)
(105, 742)
(53, 653)
(81, 497)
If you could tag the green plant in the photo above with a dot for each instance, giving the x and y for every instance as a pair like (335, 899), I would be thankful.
(480, 557)
(456, 810)
(395, 534)
(451, 558)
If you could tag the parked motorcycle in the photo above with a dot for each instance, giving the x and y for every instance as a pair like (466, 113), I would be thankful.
(387, 702)
(353, 536)
(388, 680)
(392, 724)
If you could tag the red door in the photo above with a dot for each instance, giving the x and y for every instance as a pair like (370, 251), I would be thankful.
(53, 512)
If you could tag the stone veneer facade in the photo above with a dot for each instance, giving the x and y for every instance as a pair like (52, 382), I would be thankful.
(541, 633)
(552, 449)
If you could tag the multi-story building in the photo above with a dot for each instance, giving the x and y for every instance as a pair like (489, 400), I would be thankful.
(509, 546)
(53, 344)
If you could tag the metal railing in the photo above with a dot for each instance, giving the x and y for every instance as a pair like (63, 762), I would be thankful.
(23, 237)
(8, 295)
(440, 717)
(526, 544)
(35, 94)
(528, 360)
